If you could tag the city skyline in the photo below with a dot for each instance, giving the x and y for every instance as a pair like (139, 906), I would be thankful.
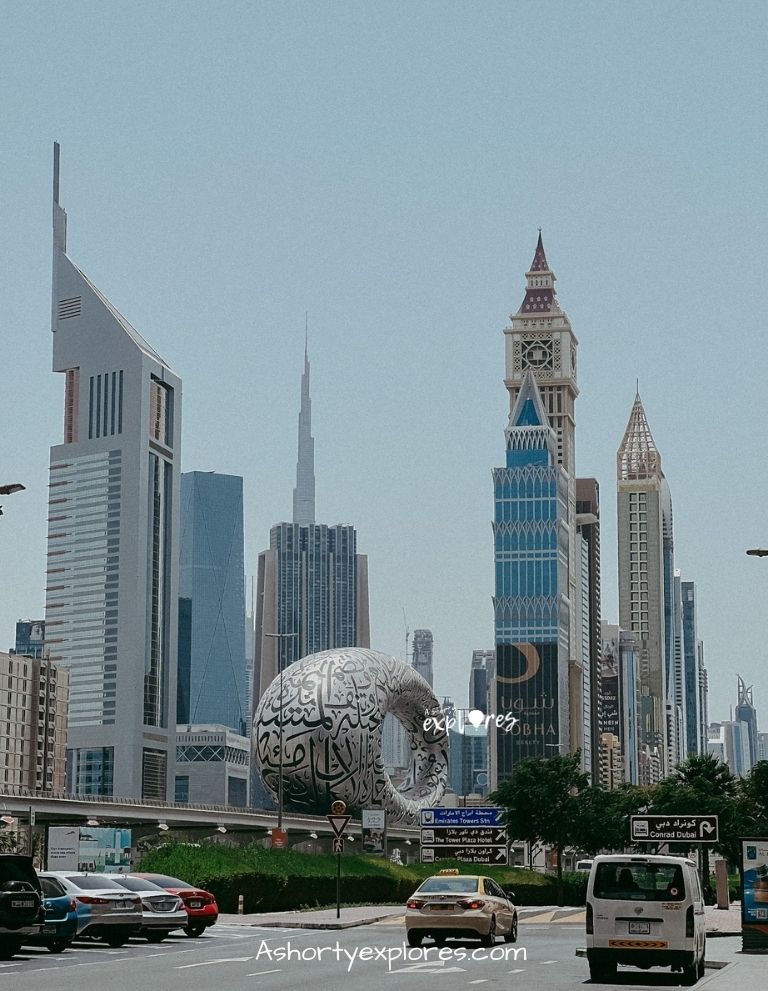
(408, 280)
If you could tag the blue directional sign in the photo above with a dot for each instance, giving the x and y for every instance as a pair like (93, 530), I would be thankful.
(479, 816)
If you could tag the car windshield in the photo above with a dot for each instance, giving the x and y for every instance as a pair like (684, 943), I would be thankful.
(137, 884)
(637, 881)
(92, 882)
(169, 882)
(450, 885)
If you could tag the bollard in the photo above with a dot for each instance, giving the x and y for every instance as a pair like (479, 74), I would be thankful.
(240, 904)
(721, 876)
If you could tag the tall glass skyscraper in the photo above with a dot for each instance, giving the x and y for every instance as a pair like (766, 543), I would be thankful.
(532, 606)
(312, 585)
(113, 540)
(540, 340)
(212, 662)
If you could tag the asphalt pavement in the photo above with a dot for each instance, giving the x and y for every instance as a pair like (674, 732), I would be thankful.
(236, 957)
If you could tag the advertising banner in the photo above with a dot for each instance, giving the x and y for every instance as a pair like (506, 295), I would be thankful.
(754, 904)
(374, 822)
(63, 848)
(610, 716)
(527, 686)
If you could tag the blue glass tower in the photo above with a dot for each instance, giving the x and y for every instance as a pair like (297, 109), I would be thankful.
(212, 679)
(532, 609)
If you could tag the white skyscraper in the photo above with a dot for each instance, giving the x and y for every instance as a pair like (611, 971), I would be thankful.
(304, 493)
(112, 574)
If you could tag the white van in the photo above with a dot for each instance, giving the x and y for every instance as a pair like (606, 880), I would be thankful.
(645, 911)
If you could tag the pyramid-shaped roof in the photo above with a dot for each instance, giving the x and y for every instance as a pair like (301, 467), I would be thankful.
(638, 457)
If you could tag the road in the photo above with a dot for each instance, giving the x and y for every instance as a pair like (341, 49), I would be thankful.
(235, 958)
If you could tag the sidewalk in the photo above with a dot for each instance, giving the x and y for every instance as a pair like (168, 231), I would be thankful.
(720, 922)
(325, 918)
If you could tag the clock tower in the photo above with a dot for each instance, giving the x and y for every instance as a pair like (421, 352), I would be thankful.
(540, 340)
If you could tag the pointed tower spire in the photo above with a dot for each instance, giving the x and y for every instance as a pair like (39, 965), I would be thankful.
(529, 429)
(59, 214)
(638, 457)
(540, 292)
(304, 493)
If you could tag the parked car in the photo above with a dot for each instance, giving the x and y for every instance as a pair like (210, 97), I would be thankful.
(646, 911)
(161, 911)
(21, 903)
(60, 926)
(583, 866)
(202, 910)
(105, 910)
(453, 904)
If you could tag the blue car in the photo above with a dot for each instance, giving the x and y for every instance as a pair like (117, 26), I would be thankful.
(60, 926)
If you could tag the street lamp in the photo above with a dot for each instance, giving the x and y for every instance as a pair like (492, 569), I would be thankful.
(280, 636)
(10, 489)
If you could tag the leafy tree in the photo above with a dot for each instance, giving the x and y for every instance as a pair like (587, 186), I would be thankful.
(541, 801)
(602, 817)
(753, 790)
(702, 785)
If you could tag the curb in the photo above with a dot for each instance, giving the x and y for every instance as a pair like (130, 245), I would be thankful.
(300, 924)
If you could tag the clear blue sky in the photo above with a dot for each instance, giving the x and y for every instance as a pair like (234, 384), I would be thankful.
(227, 166)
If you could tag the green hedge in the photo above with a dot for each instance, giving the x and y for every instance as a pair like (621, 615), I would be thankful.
(283, 880)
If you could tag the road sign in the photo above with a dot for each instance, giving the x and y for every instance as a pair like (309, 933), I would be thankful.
(279, 839)
(463, 835)
(477, 816)
(338, 823)
(488, 854)
(338, 844)
(674, 829)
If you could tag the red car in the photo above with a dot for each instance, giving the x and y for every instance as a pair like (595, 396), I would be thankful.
(202, 910)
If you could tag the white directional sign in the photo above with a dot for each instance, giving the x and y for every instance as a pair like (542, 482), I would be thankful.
(673, 829)
(466, 854)
(338, 823)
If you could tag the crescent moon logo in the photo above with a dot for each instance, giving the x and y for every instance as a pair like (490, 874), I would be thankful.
(531, 655)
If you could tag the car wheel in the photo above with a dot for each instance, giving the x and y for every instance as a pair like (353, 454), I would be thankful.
(603, 971)
(9, 948)
(439, 939)
(59, 945)
(690, 972)
(490, 938)
(511, 936)
(193, 930)
(155, 935)
(115, 940)
(414, 938)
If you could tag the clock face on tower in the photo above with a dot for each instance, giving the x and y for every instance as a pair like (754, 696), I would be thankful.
(537, 353)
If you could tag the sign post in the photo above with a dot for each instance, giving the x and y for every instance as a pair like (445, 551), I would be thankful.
(338, 821)
(673, 829)
(470, 835)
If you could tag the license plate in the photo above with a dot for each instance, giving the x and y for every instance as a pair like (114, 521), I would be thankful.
(442, 908)
(120, 906)
(195, 903)
(22, 903)
(639, 928)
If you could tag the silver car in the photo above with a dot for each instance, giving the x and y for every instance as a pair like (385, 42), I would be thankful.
(105, 909)
(162, 912)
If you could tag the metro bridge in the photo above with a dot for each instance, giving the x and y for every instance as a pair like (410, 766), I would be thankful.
(147, 817)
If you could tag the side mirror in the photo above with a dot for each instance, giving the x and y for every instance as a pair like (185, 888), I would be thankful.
(509, 893)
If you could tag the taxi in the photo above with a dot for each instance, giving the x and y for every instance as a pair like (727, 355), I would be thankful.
(462, 905)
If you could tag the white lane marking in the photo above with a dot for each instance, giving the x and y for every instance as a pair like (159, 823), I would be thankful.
(480, 980)
(258, 973)
(543, 962)
(520, 970)
(212, 963)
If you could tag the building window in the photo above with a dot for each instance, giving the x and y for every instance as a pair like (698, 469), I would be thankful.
(182, 788)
